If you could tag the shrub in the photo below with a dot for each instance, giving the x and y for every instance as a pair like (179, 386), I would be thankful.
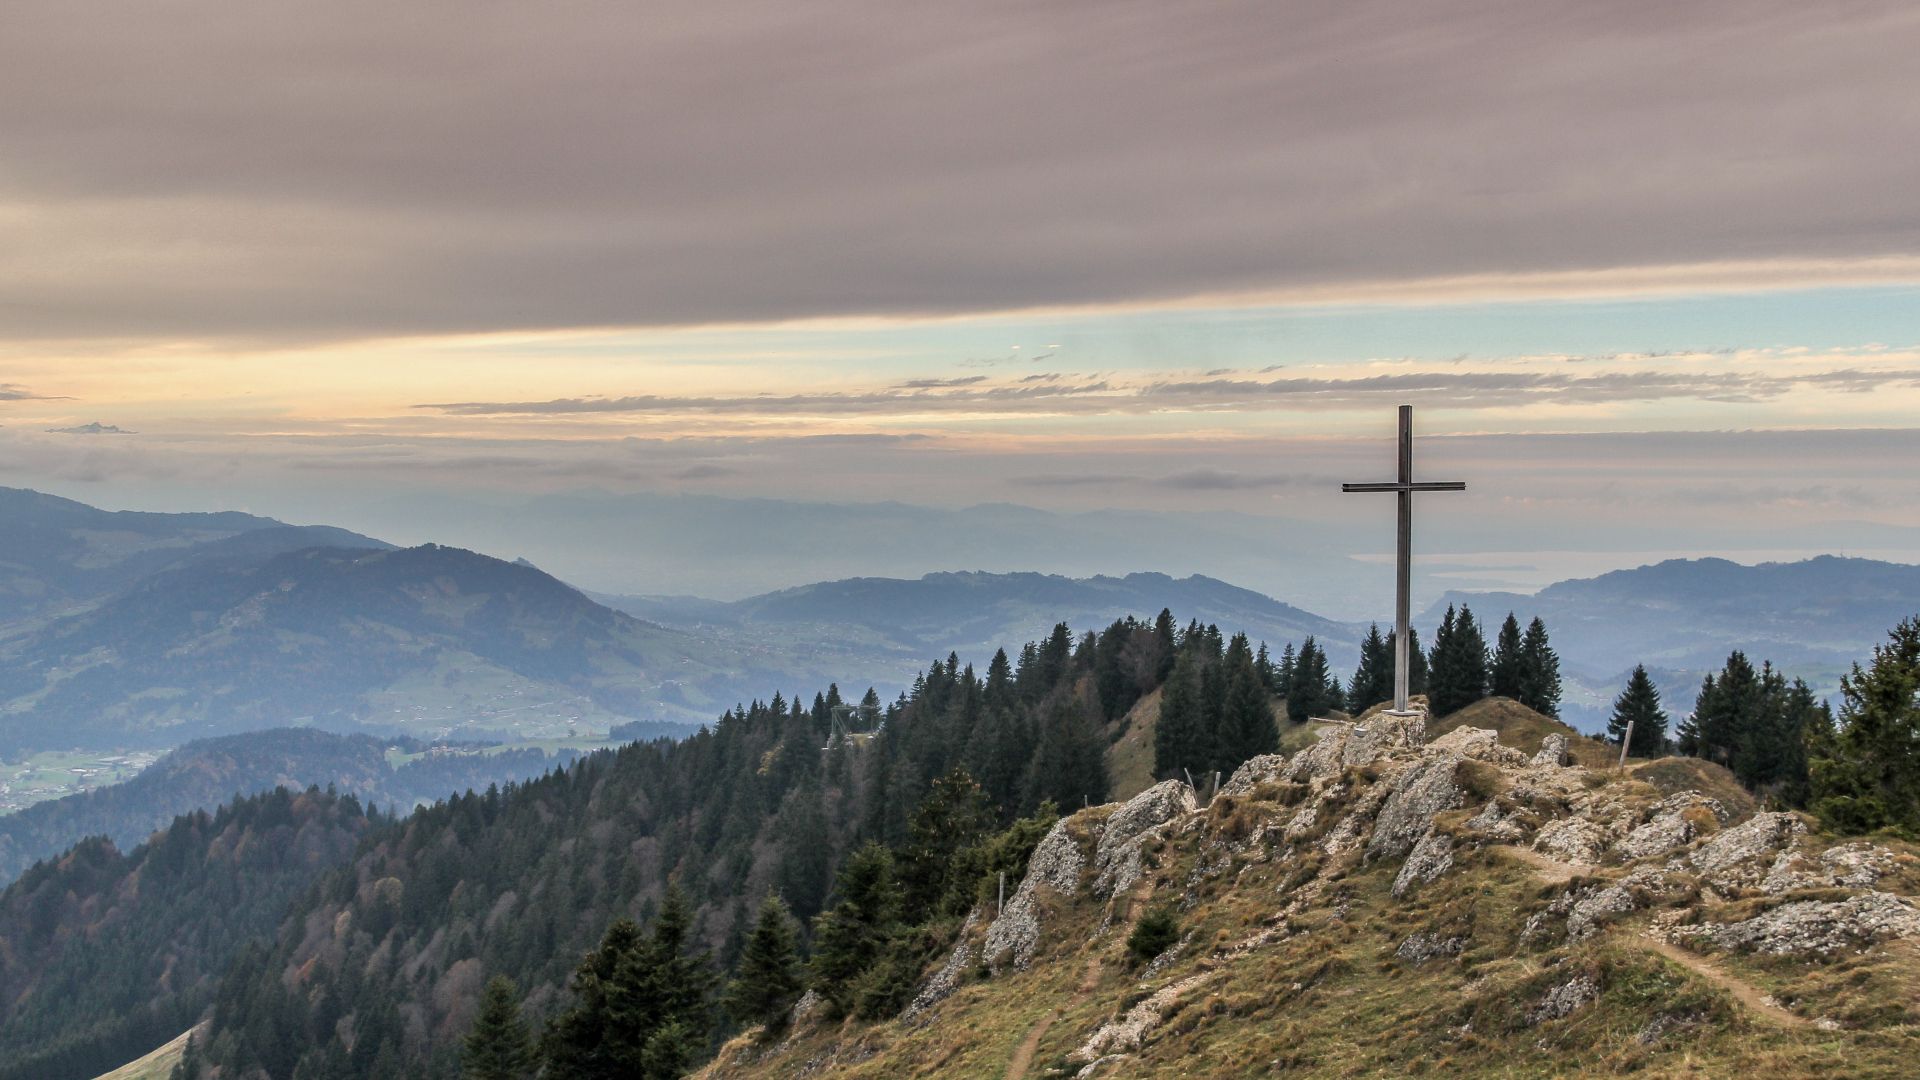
(1154, 934)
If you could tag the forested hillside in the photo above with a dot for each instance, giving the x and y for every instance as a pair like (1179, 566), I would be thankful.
(207, 772)
(379, 971)
(105, 955)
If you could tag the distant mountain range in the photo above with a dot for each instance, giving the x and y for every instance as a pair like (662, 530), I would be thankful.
(123, 630)
(973, 614)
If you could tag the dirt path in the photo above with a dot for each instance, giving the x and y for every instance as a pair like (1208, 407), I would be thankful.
(1550, 870)
(1556, 872)
(1745, 993)
(1089, 979)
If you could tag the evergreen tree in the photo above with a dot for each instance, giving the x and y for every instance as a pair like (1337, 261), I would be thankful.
(1505, 675)
(1178, 742)
(640, 1004)
(767, 982)
(1283, 673)
(1639, 704)
(954, 816)
(1539, 682)
(1246, 717)
(850, 938)
(498, 1047)
(1866, 767)
(1313, 690)
(1725, 705)
(1373, 679)
(1069, 766)
(1756, 724)
(1457, 664)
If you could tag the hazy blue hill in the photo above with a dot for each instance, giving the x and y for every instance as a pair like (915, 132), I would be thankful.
(425, 640)
(55, 552)
(207, 772)
(973, 613)
(1682, 617)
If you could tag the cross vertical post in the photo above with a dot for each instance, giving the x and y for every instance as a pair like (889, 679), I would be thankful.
(1404, 487)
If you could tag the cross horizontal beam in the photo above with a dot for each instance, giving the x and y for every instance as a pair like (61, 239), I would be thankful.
(1425, 485)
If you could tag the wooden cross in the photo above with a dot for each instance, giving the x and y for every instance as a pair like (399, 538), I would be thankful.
(1405, 487)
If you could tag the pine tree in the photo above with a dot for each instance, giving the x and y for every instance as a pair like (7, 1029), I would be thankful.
(1373, 679)
(1866, 767)
(1457, 664)
(1283, 673)
(1505, 674)
(1246, 718)
(1176, 735)
(954, 816)
(851, 936)
(641, 1010)
(1313, 690)
(767, 982)
(498, 1047)
(1639, 704)
(1539, 683)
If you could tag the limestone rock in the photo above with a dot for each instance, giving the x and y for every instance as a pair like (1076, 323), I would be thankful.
(1494, 825)
(1480, 744)
(1564, 999)
(1859, 865)
(1430, 858)
(1815, 927)
(1425, 945)
(1572, 840)
(1417, 795)
(1669, 829)
(1744, 854)
(1055, 865)
(945, 981)
(1130, 1030)
(1254, 772)
(1553, 751)
(1117, 858)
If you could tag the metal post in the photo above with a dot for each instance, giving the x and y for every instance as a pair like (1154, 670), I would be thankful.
(1002, 905)
(1626, 741)
(1403, 596)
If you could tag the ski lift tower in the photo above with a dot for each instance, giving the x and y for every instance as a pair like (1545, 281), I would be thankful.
(848, 718)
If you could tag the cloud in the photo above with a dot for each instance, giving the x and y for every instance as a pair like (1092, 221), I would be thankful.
(866, 156)
(1521, 382)
(706, 471)
(14, 392)
(94, 428)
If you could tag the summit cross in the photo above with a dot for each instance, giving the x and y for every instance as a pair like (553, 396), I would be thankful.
(1402, 611)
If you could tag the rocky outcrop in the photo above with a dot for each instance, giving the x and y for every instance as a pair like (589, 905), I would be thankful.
(1480, 744)
(1859, 865)
(1814, 927)
(1575, 840)
(1055, 865)
(1416, 796)
(1425, 945)
(1564, 999)
(1256, 771)
(943, 982)
(1674, 825)
(1116, 860)
(1742, 856)
(1553, 751)
(1430, 858)
(1131, 1028)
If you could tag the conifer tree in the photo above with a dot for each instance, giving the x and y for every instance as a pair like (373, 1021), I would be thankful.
(767, 982)
(1313, 690)
(1639, 704)
(1177, 739)
(1283, 673)
(1373, 679)
(1866, 767)
(1457, 664)
(498, 1047)
(1246, 718)
(1539, 683)
(1504, 676)
(850, 937)
(954, 816)
(641, 1009)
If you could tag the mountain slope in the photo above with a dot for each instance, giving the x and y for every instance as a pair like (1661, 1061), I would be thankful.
(427, 640)
(1374, 906)
(56, 553)
(205, 773)
(107, 955)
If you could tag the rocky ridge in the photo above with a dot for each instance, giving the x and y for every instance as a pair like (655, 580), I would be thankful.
(1281, 864)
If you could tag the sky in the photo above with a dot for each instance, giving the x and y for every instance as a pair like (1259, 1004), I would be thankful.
(721, 297)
